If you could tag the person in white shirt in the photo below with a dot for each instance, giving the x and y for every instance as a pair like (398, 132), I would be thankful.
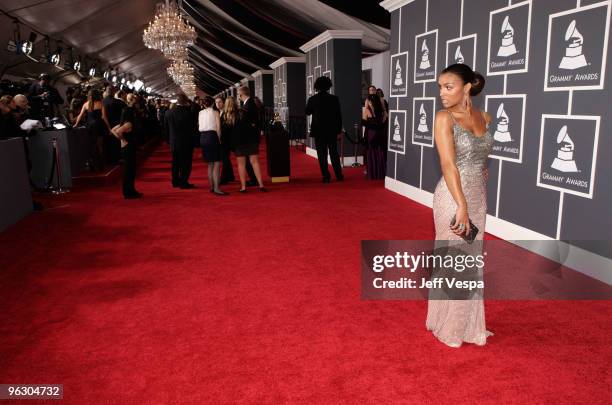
(209, 124)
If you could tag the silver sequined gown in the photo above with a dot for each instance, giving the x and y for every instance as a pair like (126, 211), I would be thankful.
(457, 321)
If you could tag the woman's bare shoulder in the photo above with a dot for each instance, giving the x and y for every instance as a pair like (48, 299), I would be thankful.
(443, 118)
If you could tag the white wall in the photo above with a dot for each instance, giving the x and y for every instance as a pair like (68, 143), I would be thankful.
(380, 70)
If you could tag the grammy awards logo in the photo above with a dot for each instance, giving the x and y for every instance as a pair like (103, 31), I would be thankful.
(424, 56)
(423, 127)
(574, 58)
(501, 131)
(458, 55)
(398, 74)
(564, 162)
(507, 47)
(396, 132)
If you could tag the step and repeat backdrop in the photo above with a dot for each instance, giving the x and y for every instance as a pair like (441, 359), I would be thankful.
(545, 64)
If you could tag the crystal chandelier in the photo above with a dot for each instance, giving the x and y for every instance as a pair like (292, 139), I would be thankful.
(181, 72)
(189, 89)
(169, 32)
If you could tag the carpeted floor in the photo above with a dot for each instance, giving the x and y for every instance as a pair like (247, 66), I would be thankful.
(184, 297)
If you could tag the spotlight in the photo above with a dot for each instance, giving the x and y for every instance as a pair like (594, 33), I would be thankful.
(138, 84)
(92, 71)
(77, 66)
(114, 79)
(148, 90)
(28, 46)
(123, 80)
(56, 59)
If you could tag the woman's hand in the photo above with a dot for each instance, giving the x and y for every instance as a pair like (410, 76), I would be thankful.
(123, 143)
(462, 222)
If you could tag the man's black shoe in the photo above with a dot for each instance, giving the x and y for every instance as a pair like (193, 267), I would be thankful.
(326, 180)
(187, 186)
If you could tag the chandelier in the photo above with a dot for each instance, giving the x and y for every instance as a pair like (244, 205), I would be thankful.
(169, 32)
(189, 89)
(181, 72)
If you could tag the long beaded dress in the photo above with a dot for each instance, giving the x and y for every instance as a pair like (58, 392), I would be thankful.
(456, 321)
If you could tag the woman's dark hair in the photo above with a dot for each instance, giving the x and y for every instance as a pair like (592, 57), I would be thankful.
(376, 104)
(468, 76)
(208, 101)
(322, 83)
(93, 96)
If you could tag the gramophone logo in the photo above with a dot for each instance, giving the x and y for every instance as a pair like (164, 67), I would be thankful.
(398, 74)
(574, 58)
(423, 109)
(508, 125)
(459, 56)
(396, 130)
(424, 56)
(576, 48)
(568, 153)
(425, 46)
(422, 120)
(462, 50)
(509, 32)
(502, 134)
(507, 47)
(564, 162)
(397, 125)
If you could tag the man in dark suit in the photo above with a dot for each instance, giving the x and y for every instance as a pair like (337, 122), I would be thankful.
(181, 127)
(326, 126)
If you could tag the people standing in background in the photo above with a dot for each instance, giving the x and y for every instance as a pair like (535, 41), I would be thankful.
(247, 145)
(22, 108)
(44, 98)
(8, 123)
(97, 125)
(114, 107)
(227, 171)
(209, 124)
(126, 132)
(75, 104)
(326, 126)
(385, 103)
(180, 127)
(373, 118)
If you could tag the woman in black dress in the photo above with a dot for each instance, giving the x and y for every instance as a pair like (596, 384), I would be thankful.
(97, 125)
(126, 132)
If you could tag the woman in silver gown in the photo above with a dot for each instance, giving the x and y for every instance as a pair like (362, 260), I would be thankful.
(463, 142)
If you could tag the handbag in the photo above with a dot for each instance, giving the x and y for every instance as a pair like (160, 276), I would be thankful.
(469, 238)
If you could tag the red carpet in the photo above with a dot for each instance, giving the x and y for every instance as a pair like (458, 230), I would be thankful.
(184, 297)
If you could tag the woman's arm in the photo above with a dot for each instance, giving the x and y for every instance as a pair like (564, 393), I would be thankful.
(446, 150)
(80, 117)
(105, 117)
